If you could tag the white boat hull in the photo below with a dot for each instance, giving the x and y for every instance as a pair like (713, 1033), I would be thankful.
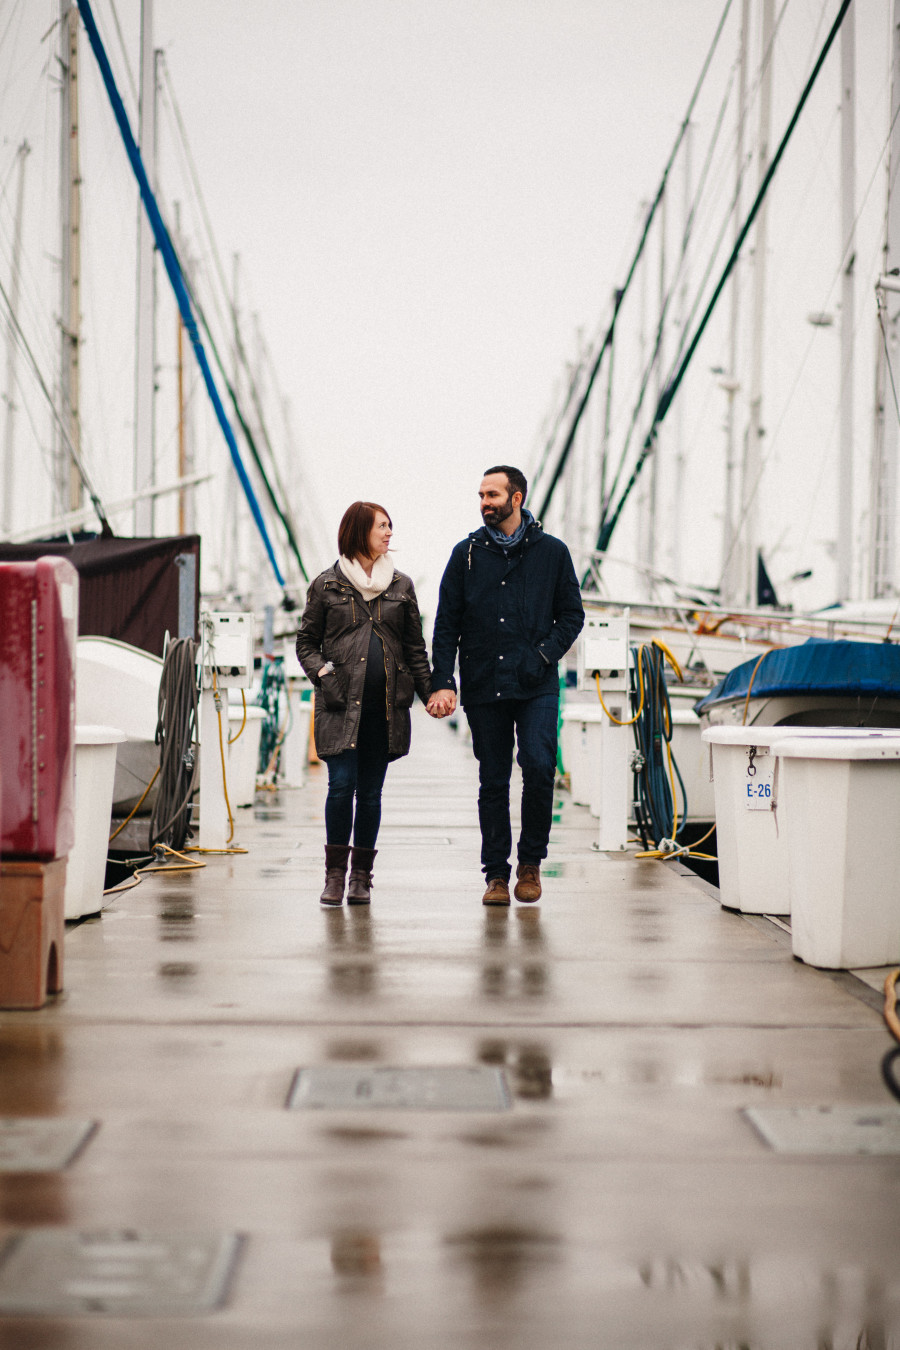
(118, 685)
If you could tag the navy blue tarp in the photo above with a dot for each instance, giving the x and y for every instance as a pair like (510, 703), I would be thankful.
(814, 667)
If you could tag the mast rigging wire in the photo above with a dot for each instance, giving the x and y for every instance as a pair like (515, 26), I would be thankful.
(251, 442)
(887, 357)
(241, 351)
(175, 273)
(675, 281)
(668, 394)
(620, 294)
(712, 256)
(773, 439)
(63, 429)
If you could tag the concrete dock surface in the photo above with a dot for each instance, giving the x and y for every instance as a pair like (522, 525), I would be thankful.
(606, 1189)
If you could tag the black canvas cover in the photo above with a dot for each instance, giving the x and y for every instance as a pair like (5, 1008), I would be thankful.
(128, 588)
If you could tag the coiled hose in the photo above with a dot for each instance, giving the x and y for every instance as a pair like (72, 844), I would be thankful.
(272, 690)
(655, 806)
(176, 736)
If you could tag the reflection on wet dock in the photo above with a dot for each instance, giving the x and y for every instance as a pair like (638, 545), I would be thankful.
(615, 1193)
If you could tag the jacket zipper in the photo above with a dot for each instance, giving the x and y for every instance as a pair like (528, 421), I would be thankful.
(387, 687)
(387, 678)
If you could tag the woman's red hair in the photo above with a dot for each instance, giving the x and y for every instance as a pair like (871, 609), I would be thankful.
(355, 528)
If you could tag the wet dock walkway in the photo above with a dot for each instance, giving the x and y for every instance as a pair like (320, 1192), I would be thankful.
(619, 1197)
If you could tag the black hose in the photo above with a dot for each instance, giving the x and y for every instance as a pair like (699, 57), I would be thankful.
(887, 1071)
(654, 803)
(176, 736)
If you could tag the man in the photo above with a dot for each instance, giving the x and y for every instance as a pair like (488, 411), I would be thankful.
(510, 603)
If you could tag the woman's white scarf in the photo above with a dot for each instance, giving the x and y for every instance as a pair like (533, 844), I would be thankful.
(369, 587)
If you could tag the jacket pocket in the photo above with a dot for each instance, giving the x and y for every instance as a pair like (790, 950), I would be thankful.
(340, 612)
(532, 669)
(405, 688)
(476, 671)
(333, 690)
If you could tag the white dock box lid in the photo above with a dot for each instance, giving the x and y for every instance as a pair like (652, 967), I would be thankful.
(851, 745)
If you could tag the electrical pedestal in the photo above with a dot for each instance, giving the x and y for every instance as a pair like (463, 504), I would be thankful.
(295, 747)
(213, 809)
(603, 653)
(226, 660)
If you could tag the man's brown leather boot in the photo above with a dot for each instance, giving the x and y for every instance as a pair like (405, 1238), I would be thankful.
(497, 892)
(528, 883)
(359, 891)
(336, 857)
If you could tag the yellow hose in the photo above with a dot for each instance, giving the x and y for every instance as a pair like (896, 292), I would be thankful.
(137, 808)
(222, 757)
(750, 687)
(631, 720)
(669, 657)
(233, 738)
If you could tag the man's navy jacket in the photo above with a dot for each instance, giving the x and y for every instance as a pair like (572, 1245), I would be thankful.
(512, 613)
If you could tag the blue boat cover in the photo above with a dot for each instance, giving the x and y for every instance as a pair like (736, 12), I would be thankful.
(816, 666)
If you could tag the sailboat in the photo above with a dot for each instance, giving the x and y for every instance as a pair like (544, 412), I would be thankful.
(139, 592)
(739, 655)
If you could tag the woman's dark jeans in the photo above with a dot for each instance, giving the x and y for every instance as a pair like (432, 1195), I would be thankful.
(359, 772)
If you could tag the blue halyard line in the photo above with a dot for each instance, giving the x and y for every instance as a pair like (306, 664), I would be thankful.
(173, 268)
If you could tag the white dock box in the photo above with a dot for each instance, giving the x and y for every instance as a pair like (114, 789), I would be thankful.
(750, 843)
(692, 759)
(243, 752)
(580, 749)
(842, 796)
(750, 835)
(95, 771)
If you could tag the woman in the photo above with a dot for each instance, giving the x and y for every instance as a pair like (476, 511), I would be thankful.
(361, 644)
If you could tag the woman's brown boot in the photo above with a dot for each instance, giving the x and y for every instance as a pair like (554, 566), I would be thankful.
(359, 891)
(336, 858)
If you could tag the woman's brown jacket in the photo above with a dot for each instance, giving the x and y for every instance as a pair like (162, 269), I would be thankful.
(336, 626)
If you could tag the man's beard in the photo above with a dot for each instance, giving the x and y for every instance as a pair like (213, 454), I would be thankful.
(492, 515)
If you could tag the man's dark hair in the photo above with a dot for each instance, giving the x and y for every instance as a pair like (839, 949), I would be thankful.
(515, 477)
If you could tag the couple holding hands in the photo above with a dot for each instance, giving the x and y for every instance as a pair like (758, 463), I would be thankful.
(510, 606)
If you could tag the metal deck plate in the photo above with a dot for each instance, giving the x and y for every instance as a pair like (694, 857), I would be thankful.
(41, 1144)
(828, 1129)
(60, 1273)
(347, 1087)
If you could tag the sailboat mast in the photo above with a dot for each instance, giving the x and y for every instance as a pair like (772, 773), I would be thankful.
(145, 353)
(653, 552)
(186, 512)
(643, 505)
(731, 382)
(67, 478)
(848, 301)
(12, 349)
(607, 429)
(677, 502)
(884, 450)
(753, 447)
(231, 564)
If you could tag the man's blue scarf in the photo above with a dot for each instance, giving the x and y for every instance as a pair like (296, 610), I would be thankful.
(507, 541)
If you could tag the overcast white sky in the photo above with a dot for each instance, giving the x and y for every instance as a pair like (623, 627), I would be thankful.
(429, 201)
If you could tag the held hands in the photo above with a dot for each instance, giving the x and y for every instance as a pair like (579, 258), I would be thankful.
(442, 703)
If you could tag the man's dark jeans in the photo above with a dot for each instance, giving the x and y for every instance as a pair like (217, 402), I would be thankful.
(359, 772)
(533, 723)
